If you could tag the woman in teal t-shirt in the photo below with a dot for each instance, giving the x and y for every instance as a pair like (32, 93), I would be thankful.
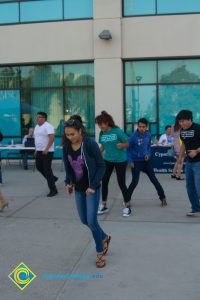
(113, 143)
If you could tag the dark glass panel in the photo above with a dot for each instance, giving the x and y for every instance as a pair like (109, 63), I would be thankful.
(79, 74)
(42, 76)
(140, 72)
(178, 71)
(10, 112)
(81, 101)
(173, 98)
(9, 77)
(140, 103)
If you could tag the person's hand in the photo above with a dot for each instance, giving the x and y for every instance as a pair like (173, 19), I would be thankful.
(131, 165)
(146, 157)
(89, 191)
(120, 146)
(69, 188)
(192, 153)
(45, 152)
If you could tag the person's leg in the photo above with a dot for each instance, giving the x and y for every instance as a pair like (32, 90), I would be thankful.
(47, 160)
(1, 180)
(192, 185)
(105, 180)
(135, 177)
(174, 172)
(179, 169)
(39, 163)
(80, 199)
(148, 169)
(92, 203)
(25, 159)
(196, 171)
(87, 207)
(3, 202)
(121, 178)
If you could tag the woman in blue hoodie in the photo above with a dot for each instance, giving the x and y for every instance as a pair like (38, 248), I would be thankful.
(138, 156)
(84, 171)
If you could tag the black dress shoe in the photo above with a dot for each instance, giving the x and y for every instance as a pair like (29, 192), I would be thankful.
(52, 193)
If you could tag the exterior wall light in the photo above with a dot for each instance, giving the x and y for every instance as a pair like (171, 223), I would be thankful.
(105, 35)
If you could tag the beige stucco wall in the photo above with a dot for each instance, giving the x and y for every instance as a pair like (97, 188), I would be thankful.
(161, 36)
(46, 42)
(139, 37)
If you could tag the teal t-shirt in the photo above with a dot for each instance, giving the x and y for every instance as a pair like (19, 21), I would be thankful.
(109, 140)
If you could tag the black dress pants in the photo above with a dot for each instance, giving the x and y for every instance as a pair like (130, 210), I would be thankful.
(43, 165)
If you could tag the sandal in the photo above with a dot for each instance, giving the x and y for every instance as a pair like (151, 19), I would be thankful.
(3, 206)
(106, 243)
(173, 176)
(100, 262)
(179, 178)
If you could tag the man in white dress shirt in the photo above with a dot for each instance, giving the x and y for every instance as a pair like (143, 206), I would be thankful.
(44, 146)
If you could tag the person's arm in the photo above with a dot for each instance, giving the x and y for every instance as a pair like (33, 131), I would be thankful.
(162, 140)
(51, 141)
(129, 151)
(96, 154)
(181, 154)
(68, 178)
(123, 145)
(123, 138)
(147, 156)
(193, 153)
(101, 148)
(24, 140)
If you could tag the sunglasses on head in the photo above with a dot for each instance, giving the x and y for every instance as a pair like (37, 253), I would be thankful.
(72, 123)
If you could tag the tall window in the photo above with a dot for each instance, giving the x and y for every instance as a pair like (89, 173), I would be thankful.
(24, 11)
(158, 90)
(153, 7)
(59, 90)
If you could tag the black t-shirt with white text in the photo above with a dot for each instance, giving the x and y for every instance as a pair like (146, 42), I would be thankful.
(191, 139)
(78, 166)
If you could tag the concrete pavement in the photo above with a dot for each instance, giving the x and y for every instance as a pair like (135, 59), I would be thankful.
(154, 253)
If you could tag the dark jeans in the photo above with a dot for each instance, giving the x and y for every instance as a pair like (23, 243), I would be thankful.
(87, 207)
(43, 165)
(25, 155)
(121, 178)
(0, 174)
(147, 168)
(192, 172)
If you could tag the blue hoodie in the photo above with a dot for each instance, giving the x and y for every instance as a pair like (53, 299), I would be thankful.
(93, 160)
(139, 146)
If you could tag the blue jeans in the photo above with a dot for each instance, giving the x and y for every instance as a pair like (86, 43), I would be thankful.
(146, 167)
(192, 172)
(87, 207)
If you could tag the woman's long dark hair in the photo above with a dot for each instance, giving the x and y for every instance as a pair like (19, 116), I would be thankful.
(104, 117)
(75, 121)
(176, 125)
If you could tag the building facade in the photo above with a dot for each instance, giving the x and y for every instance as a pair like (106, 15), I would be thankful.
(52, 59)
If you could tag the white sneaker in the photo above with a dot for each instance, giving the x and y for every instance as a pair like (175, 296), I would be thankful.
(126, 211)
(193, 214)
(102, 209)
